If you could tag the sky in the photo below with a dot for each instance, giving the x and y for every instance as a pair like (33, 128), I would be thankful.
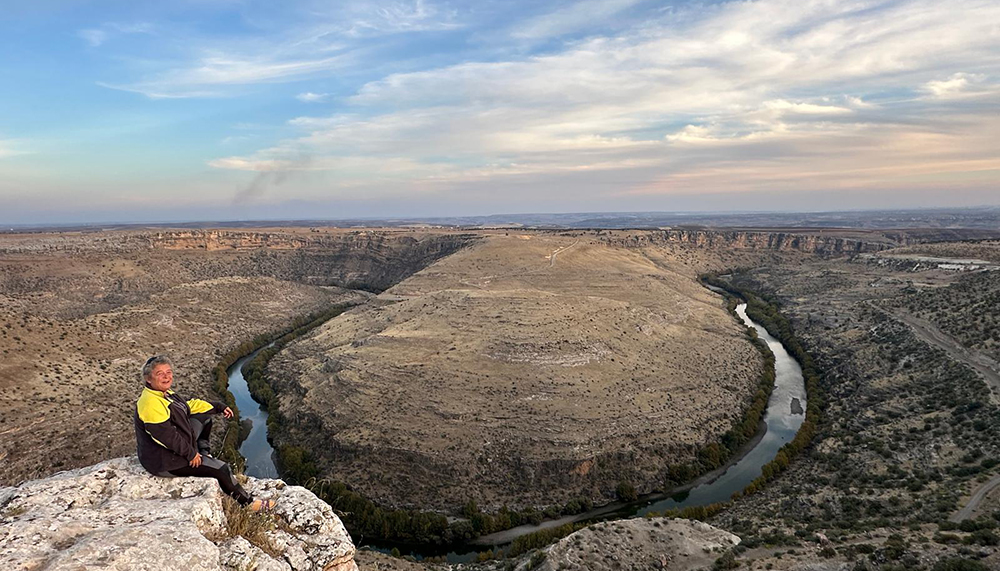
(139, 111)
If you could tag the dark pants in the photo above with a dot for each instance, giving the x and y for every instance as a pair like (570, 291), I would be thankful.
(215, 468)
(201, 425)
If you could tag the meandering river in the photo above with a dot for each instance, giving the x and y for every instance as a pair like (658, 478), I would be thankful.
(782, 419)
(256, 449)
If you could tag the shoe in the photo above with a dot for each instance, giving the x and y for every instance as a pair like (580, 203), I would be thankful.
(263, 506)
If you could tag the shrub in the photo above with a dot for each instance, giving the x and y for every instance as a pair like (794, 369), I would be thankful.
(959, 564)
(626, 492)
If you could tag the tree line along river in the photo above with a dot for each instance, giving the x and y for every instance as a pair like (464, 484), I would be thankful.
(782, 419)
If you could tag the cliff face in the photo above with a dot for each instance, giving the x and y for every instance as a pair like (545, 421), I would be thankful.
(115, 516)
(755, 240)
(368, 259)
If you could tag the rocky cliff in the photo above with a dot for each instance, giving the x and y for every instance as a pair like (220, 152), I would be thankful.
(810, 243)
(115, 516)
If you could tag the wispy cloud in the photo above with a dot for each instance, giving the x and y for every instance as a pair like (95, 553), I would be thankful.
(320, 39)
(93, 37)
(572, 18)
(97, 36)
(12, 147)
(748, 95)
(310, 97)
(395, 17)
(214, 74)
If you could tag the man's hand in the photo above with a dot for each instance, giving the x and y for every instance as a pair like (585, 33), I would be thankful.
(196, 461)
(228, 413)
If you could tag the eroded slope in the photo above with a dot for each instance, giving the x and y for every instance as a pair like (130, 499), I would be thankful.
(525, 370)
(79, 313)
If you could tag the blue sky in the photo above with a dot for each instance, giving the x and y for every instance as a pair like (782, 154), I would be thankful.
(230, 109)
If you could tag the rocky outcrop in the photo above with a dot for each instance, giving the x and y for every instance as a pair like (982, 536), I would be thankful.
(115, 516)
(810, 243)
(634, 544)
(358, 259)
(364, 259)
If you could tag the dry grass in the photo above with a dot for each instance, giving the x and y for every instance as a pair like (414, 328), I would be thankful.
(250, 525)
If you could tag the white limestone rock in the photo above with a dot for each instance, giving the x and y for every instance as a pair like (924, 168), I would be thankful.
(638, 544)
(116, 516)
(241, 555)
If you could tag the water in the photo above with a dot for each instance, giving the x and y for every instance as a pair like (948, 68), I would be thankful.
(782, 419)
(256, 449)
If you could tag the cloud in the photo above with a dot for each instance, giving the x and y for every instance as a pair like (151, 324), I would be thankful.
(958, 86)
(857, 102)
(97, 36)
(578, 15)
(11, 148)
(236, 139)
(396, 17)
(782, 107)
(214, 74)
(310, 97)
(810, 94)
(93, 37)
(299, 41)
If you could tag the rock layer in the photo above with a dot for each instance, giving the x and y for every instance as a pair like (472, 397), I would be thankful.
(116, 516)
(811, 243)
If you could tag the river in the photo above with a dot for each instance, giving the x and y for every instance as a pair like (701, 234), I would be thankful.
(256, 449)
(782, 419)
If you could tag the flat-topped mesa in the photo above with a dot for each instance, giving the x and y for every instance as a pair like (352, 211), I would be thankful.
(114, 515)
(370, 241)
(806, 242)
(245, 239)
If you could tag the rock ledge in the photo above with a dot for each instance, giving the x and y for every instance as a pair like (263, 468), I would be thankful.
(115, 516)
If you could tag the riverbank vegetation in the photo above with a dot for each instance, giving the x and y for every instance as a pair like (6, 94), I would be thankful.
(229, 451)
(368, 521)
(765, 311)
(908, 430)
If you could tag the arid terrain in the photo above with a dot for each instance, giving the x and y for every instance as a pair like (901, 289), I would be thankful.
(528, 369)
(79, 313)
(908, 345)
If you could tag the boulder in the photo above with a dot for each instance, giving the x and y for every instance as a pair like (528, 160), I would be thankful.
(636, 544)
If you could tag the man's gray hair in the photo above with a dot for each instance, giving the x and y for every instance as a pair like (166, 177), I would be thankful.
(151, 363)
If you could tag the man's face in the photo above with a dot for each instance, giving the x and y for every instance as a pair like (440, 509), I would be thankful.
(162, 377)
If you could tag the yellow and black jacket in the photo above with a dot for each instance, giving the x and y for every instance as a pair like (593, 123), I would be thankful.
(164, 438)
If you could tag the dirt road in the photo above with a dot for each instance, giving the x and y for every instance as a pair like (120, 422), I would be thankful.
(985, 366)
(977, 498)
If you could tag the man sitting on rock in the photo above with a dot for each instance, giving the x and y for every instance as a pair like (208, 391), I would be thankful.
(172, 434)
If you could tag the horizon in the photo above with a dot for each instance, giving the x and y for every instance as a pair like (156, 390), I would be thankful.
(244, 110)
(455, 220)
